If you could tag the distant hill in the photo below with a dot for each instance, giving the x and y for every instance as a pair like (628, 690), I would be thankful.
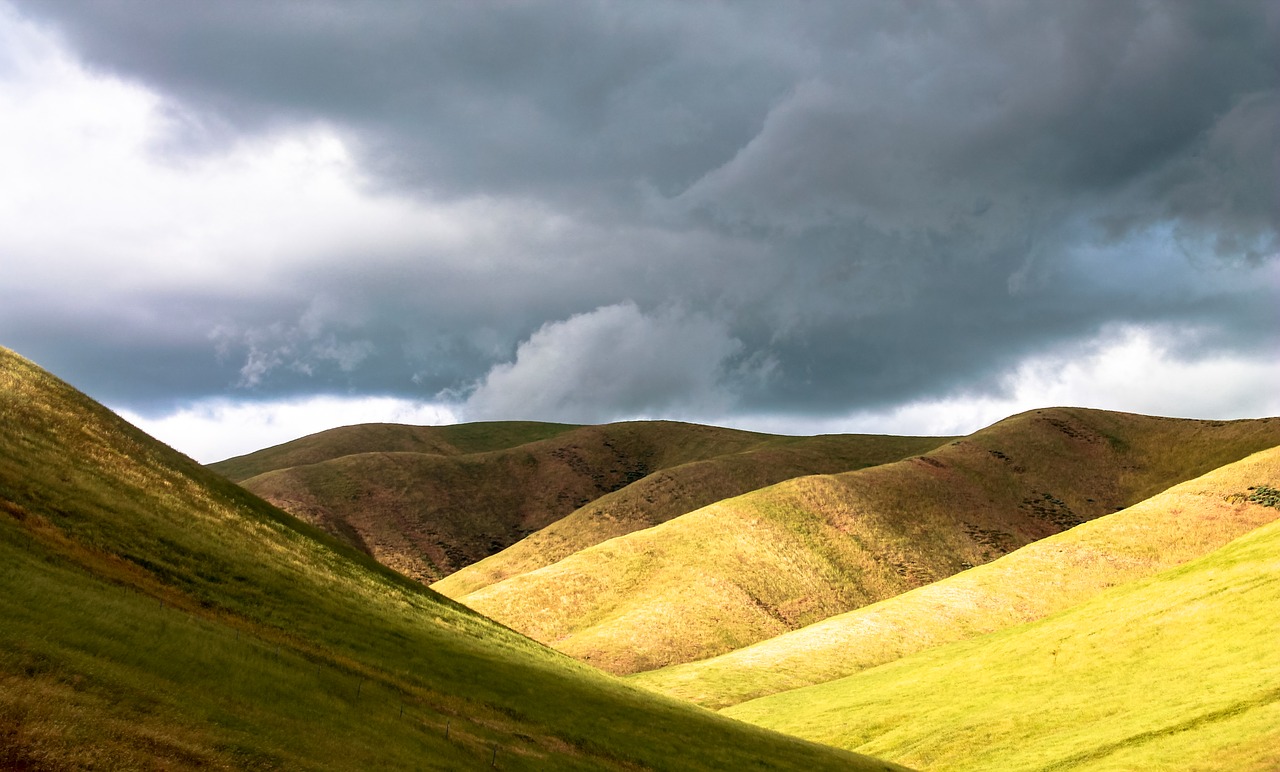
(1177, 671)
(1181, 524)
(753, 567)
(674, 491)
(428, 501)
(453, 440)
(154, 615)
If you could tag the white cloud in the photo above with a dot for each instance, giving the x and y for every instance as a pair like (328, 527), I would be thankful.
(1130, 370)
(211, 430)
(610, 363)
(95, 208)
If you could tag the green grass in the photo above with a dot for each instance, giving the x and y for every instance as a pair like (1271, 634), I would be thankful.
(756, 566)
(668, 493)
(450, 440)
(1171, 528)
(153, 614)
(1177, 671)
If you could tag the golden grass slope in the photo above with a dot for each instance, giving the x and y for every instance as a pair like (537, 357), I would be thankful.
(671, 492)
(1185, 522)
(155, 615)
(431, 511)
(1177, 671)
(753, 567)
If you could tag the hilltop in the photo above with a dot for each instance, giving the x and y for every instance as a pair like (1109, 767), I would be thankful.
(674, 491)
(1176, 671)
(153, 614)
(428, 501)
(750, 568)
(1183, 523)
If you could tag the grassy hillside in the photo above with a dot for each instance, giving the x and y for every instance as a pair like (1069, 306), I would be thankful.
(669, 493)
(1185, 522)
(154, 615)
(1178, 671)
(753, 567)
(427, 514)
(430, 500)
(388, 438)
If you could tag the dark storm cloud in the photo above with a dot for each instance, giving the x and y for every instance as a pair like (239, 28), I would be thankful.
(849, 205)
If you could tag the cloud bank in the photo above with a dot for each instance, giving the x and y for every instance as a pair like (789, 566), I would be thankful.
(589, 211)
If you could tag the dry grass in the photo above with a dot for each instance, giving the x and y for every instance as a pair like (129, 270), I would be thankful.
(750, 568)
(1175, 671)
(1183, 523)
(669, 493)
(468, 491)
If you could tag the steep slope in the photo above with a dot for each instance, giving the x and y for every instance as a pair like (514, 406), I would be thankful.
(1183, 523)
(154, 615)
(1178, 671)
(775, 560)
(669, 493)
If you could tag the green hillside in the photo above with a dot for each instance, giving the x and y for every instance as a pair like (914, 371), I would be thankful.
(154, 615)
(1185, 522)
(457, 439)
(671, 492)
(1177, 671)
(753, 567)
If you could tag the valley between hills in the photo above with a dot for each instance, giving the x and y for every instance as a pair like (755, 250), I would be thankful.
(1066, 589)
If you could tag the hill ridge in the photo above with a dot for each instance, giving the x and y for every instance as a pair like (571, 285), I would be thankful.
(1177, 525)
(812, 547)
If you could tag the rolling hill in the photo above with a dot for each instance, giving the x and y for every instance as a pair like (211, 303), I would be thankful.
(430, 500)
(750, 568)
(155, 615)
(1177, 671)
(1183, 523)
(671, 492)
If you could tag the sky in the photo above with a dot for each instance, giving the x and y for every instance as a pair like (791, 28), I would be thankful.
(240, 222)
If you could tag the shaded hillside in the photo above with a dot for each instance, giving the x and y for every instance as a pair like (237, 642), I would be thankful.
(427, 514)
(1178, 671)
(668, 493)
(451, 440)
(1183, 523)
(154, 615)
(775, 560)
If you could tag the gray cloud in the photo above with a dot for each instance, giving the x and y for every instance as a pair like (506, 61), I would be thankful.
(881, 202)
(614, 359)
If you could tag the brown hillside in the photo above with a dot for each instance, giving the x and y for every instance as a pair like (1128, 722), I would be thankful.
(756, 566)
(427, 514)
(675, 491)
(388, 438)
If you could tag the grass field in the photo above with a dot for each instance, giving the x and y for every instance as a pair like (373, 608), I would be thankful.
(454, 440)
(1181, 524)
(430, 500)
(775, 560)
(669, 493)
(154, 615)
(1176, 671)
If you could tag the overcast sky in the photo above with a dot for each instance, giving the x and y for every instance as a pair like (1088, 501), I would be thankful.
(240, 222)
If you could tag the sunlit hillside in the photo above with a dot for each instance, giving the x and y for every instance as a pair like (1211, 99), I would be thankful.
(1177, 671)
(1181, 524)
(759, 565)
